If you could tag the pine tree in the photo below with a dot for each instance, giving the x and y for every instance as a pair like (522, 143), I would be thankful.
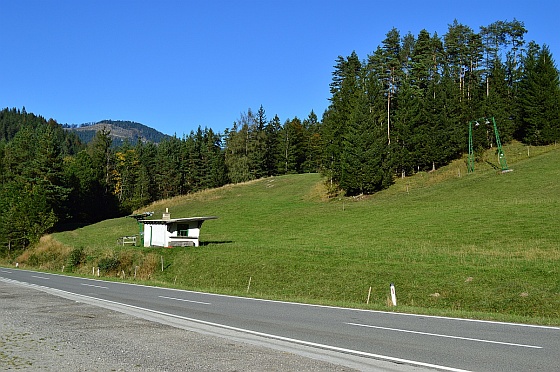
(345, 89)
(145, 190)
(498, 103)
(540, 99)
(258, 144)
(392, 60)
(216, 167)
(313, 151)
(407, 117)
(169, 175)
(47, 169)
(101, 154)
(292, 136)
(273, 152)
(365, 163)
(464, 50)
(236, 158)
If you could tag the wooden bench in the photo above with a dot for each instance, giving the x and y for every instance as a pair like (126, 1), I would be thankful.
(131, 240)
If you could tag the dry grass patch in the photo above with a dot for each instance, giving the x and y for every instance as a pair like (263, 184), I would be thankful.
(48, 254)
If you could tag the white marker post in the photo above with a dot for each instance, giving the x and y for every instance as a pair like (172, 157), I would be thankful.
(393, 295)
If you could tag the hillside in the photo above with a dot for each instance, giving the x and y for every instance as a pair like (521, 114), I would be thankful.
(484, 245)
(120, 131)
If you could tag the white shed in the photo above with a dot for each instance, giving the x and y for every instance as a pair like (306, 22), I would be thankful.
(173, 232)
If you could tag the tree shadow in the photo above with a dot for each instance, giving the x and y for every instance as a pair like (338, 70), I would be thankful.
(208, 242)
(70, 226)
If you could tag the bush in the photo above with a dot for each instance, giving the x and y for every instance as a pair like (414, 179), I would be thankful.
(108, 264)
(76, 257)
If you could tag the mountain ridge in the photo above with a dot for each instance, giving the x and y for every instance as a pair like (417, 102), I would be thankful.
(120, 131)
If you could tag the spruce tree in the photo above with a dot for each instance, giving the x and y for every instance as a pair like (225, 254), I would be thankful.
(345, 89)
(273, 152)
(313, 151)
(540, 99)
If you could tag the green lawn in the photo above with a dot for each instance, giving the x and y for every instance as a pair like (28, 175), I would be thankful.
(483, 245)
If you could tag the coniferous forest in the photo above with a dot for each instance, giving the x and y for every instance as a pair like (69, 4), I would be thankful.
(402, 109)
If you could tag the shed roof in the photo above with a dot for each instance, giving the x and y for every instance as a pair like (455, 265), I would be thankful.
(177, 220)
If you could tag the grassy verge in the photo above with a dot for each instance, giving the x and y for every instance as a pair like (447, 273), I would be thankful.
(483, 245)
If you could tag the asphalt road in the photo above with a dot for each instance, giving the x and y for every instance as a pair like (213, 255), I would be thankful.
(405, 340)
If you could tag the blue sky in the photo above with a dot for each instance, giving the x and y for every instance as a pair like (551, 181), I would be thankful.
(175, 65)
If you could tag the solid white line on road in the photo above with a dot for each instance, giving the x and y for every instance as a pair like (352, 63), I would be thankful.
(96, 286)
(446, 336)
(266, 335)
(281, 338)
(181, 299)
(391, 313)
(40, 277)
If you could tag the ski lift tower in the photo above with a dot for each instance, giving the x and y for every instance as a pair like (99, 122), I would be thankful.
(501, 155)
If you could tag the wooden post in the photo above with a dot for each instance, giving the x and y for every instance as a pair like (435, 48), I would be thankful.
(368, 295)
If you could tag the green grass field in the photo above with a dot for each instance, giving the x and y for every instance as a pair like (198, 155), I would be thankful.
(482, 245)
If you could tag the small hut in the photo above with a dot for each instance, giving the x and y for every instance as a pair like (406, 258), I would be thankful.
(173, 232)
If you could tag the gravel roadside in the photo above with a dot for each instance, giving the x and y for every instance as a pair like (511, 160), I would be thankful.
(40, 331)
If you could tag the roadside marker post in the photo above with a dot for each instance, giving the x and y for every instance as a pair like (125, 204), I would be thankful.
(393, 295)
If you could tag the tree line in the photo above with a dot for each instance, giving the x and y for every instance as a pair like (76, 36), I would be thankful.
(403, 109)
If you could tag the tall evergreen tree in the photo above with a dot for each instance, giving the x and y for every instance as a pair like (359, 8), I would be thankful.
(170, 170)
(313, 151)
(293, 146)
(540, 99)
(145, 189)
(365, 163)
(345, 90)
(498, 103)
(392, 61)
(216, 167)
(236, 156)
(273, 151)
(464, 50)
(258, 145)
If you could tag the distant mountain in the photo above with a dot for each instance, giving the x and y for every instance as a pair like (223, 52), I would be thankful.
(120, 130)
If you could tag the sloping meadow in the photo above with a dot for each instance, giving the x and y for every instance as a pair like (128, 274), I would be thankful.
(484, 245)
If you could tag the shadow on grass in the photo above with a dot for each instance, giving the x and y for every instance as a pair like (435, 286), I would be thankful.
(216, 242)
(70, 226)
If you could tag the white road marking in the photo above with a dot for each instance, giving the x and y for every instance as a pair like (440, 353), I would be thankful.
(96, 286)
(392, 313)
(40, 277)
(181, 299)
(5, 271)
(281, 338)
(445, 336)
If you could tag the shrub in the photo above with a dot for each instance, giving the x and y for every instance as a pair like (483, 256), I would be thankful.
(76, 257)
(108, 264)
